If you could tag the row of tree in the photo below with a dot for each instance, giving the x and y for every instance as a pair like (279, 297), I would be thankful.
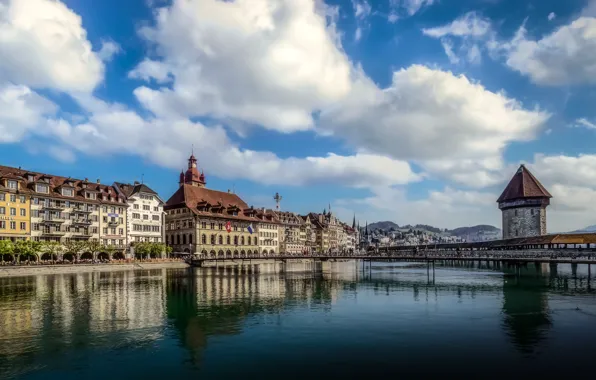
(29, 249)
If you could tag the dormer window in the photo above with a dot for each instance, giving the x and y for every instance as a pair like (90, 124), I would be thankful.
(30, 177)
(89, 195)
(42, 188)
(68, 192)
(12, 185)
(104, 198)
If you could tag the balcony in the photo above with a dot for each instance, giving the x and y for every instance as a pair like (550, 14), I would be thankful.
(113, 223)
(52, 220)
(52, 206)
(82, 234)
(52, 233)
(82, 210)
(81, 222)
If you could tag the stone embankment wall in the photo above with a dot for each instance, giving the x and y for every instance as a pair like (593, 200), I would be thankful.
(33, 270)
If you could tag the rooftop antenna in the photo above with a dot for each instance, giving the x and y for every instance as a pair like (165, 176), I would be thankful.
(192, 149)
(277, 198)
(142, 178)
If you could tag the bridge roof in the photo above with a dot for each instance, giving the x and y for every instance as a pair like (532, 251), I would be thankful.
(523, 185)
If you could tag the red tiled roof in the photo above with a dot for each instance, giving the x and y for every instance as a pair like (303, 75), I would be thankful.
(191, 196)
(523, 185)
(55, 184)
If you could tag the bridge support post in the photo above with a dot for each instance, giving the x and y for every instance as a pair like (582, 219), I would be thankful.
(574, 270)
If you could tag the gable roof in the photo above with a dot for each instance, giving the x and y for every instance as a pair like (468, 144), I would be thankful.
(523, 185)
(56, 182)
(191, 196)
(129, 190)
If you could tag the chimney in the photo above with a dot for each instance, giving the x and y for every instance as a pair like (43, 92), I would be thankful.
(229, 191)
(98, 181)
(86, 179)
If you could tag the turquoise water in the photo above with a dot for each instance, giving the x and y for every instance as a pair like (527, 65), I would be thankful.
(226, 323)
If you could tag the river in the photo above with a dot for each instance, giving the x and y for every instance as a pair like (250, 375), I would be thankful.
(387, 320)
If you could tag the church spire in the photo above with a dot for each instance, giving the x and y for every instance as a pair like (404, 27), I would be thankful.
(354, 222)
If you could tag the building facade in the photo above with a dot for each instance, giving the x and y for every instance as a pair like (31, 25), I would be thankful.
(290, 234)
(269, 232)
(523, 204)
(145, 214)
(15, 208)
(208, 222)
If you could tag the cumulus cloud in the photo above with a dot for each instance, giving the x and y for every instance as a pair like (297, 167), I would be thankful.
(259, 61)
(119, 131)
(21, 110)
(566, 56)
(470, 30)
(108, 50)
(551, 16)
(362, 10)
(435, 118)
(57, 54)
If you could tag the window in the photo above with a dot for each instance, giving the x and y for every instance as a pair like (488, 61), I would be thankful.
(13, 211)
(221, 226)
(35, 201)
(23, 212)
(113, 210)
(22, 199)
(23, 225)
(42, 188)
(516, 215)
(13, 225)
(2, 197)
(220, 239)
(156, 209)
(119, 210)
(255, 239)
(12, 185)
(242, 240)
(155, 228)
(94, 230)
(235, 240)
(135, 206)
(113, 231)
(212, 226)
(145, 217)
(2, 210)
(2, 224)
(184, 239)
(203, 224)
(136, 216)
(213, 239)
(146, 208)
(204, 239)
(105, 230)
(13, 198)
(105, 219)
(68, 192)
(156, 217)
(121, 231)
(228, 239)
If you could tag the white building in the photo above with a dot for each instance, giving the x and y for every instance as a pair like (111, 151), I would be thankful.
(145, 214)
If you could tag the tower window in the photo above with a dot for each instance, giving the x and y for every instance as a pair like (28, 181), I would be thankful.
(516, 214)
(532, 212)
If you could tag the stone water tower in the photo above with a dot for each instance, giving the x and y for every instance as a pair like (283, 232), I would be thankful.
(523, 204)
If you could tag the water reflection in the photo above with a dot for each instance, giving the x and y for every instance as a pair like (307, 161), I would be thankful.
(56, 322)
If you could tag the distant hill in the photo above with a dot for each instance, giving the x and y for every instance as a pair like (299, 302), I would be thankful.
(385, 226)
(475, 230)
(585, 230)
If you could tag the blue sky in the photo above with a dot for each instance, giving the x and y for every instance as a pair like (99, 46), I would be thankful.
(416, 111)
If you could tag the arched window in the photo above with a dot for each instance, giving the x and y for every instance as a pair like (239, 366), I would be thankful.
(242, 240)
(184, 239)
(228, 239)
(255, 241)
(189, 238)
(178, 239)
(220, 239)
(213, 239)
(235, 240)
(204, 239)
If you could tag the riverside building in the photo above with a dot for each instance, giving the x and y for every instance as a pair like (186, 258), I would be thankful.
(209, 222)
(15, 222)
(145, 214)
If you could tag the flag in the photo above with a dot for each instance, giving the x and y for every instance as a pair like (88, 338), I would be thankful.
(229, 226)
(250, 230)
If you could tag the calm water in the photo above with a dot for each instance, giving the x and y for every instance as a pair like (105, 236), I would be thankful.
(226, 323)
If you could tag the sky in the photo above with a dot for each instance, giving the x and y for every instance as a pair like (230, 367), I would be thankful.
(414, 111)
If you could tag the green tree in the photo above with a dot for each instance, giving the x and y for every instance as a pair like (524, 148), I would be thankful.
(74, 247)
(110, 250)
(156, 249)
(95, 247)
(142, 250)
(6, 248)
(26, 248)
(52, 248)
(168, 250)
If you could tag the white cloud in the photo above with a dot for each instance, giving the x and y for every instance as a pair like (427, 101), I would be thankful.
(414, 6)
(551, 16)
(160, 141)
(584, 123)
(60, 153)
(21, 110)
(470, 29)
(149, 69)
(566, 56)
(108, 50)
(434, 118)
(470, 24)
(57, 54)
(260, 61)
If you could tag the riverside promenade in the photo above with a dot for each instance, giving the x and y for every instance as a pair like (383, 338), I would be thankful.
(33, 270)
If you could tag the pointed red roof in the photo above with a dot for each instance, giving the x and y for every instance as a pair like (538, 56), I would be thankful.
(523, 185)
